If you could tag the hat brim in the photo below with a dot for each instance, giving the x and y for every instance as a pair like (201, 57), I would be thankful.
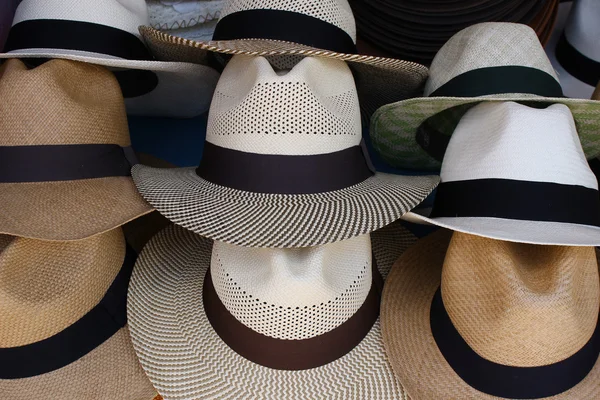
(276, 220)
(185, 358)
(110, 371)
(379, 80)
(184, 90)
(520, 231)
(69, 210)
(411, 348)
(394, 126)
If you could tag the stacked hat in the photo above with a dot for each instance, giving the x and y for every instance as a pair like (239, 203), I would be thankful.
(7, 9)
(489, 62)
(415, 30)
(191, 19)
(105, 32)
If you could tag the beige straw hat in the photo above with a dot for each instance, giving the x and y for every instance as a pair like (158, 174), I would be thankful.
(513, 320)
(65, 154)
(63, 333)
(290, 324)
(293, 29)
(488, 62)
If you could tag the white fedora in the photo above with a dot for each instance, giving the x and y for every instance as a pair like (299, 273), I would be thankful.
(105, 32)
(220, 321)
(283, 162)
(575, 54)
(517, 173)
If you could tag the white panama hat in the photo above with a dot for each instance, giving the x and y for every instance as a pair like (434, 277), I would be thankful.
(517, 173)
(105, 32)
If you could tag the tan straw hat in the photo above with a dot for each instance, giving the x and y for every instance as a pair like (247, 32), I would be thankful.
(296, 28)
(466, 317)
(218, 321)
(65, 154)
(63, 333)
(488, 62)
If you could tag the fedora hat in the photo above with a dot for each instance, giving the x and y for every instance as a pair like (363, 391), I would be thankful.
(466, 317)
(297, 28)
(522, 178)
(65, 155)
(105, 32)
(63, 310)
(187, 17)
(487, 62)
(223, 321)
(7, 9)
(283, 164)
(576, 53)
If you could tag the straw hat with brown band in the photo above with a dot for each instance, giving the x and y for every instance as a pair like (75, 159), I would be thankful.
(223, 321)
(466, 317)
(63, 332)
(297, 28)
(65, 155)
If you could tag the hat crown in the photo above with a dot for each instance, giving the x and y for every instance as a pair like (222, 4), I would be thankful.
(549, 295)
(490, 44)
(582, 29)
(46, 286)
(293, 293)
(126, 15)
(317, 97)
(335, 12)
(507, 140)
(66, 111)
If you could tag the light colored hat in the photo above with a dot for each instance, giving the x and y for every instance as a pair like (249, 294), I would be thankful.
(65, 155)
(297, 28)
(283, 164)
(63, 310)
(487, 62)
(575, 51)
(105, 32)
(476, 318)
(517, 173)
(183, 14)
(263, 323)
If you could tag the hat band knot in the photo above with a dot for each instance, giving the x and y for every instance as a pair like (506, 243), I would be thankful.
(503, 380)
(56, 35)
(77, 340)
(292, 355)
(284, 174)
(519, 200)
(285, 26)
(575, 63)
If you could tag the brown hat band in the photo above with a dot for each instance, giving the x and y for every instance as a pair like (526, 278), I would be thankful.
(503, 380)
(291, 355)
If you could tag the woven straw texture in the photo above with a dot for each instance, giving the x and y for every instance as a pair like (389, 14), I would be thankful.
(545, 294)
(66, 112)
(394, 126)
(185, 359)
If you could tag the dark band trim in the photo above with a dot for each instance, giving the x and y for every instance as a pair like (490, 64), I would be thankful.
(68, 346)
(75, 35)
(506, 381)
(581, 67)
(47, 163)
(497, 80)
(284, 174)
(292, 355)
(284, 25)
(519, 200)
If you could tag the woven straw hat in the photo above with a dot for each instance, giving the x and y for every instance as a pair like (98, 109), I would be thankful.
(487, 62)
(523, 178)
(513, 320)
(283, 163)
(65, 154)
(105, 32)
(576, 54)
(63, 333)
(263, 323)
(297, 28)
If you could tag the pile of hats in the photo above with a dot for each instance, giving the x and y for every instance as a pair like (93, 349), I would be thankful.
(415, 30)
